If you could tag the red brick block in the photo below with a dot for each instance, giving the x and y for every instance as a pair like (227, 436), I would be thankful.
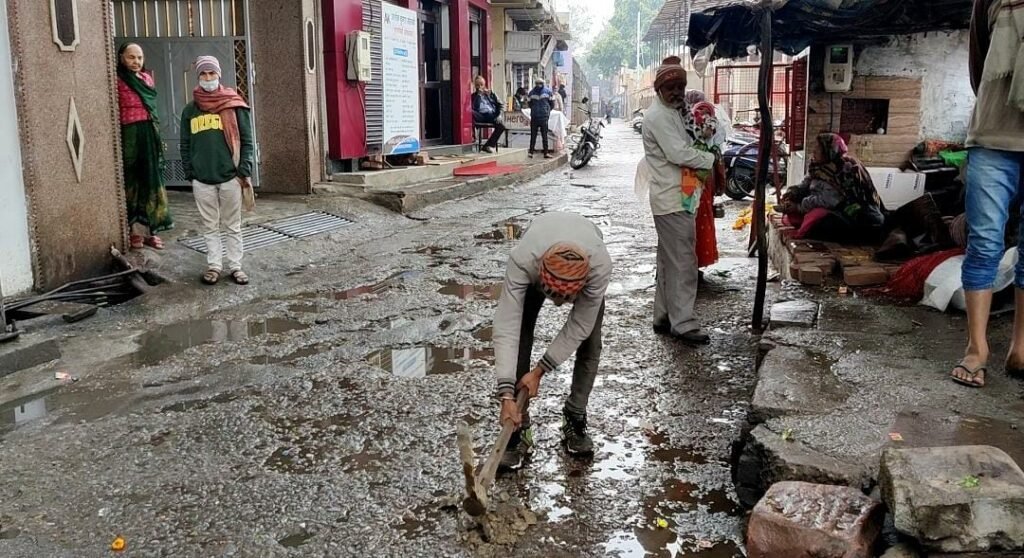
(864, 276)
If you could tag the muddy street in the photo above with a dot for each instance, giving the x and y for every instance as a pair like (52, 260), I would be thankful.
(315, 414)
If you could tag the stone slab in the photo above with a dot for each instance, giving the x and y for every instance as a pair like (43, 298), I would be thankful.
(802, 520)
(955, 499)
(794, 381)
(794, 313)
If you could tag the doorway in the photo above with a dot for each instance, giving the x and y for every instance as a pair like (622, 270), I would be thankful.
(172, 33)
(15, 251)
(435, 72)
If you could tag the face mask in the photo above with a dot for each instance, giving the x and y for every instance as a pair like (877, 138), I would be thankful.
(209, 86)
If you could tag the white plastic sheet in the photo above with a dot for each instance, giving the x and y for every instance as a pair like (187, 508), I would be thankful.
(943, 288)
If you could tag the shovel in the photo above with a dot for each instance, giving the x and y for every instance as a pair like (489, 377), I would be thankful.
(7, 332)
(479, 480)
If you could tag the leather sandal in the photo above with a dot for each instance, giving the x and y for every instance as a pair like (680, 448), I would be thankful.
(155, 242)
(211, 277)
(239, 277)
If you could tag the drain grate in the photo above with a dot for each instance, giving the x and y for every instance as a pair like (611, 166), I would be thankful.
(252, 238)
(275, 232)
(308, 224)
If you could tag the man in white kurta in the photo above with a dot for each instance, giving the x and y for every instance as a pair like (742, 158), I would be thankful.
(668, 149)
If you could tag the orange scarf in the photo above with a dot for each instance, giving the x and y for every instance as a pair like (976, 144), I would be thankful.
(223, 101)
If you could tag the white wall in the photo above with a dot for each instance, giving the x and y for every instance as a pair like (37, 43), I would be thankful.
(15, 254)
(940, 60)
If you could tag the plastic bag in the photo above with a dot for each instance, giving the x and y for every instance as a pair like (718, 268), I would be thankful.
(944, 287)
(642, 180)
(248, 195)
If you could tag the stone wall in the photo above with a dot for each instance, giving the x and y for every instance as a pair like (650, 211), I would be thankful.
(75, 213)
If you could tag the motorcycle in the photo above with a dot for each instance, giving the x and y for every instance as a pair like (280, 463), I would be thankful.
(739, 155)
(638, 121)
(590, 139)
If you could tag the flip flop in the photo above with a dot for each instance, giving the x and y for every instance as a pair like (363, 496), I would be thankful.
(1014, 371)
(973, 382)
(137, 242)
(155, 242)
(239, 277)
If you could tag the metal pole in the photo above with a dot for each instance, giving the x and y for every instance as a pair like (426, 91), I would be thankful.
(763, 157)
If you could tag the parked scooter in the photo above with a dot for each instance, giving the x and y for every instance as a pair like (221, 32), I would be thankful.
(638, 121)
(740, 154)
(590, 139)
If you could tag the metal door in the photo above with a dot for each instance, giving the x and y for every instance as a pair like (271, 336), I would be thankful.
(172, 33)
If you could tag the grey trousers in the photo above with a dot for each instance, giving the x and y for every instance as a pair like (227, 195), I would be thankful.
(676, 292)
(588, 356)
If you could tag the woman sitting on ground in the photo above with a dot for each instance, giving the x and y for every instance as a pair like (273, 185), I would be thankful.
(836, 199)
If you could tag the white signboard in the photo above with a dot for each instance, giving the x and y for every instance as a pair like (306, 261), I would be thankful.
(595, 97)
(400, 41)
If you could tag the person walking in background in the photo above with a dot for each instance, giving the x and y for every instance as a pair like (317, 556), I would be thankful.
(217, 151)
(541, 105)
(142, 150)
(995, 141)
(487, 110)
(669, 150)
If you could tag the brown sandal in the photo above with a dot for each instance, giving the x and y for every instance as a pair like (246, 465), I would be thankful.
(239, 277)
(211, 277)
(155, 242)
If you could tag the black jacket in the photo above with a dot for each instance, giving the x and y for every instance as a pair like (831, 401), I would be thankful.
(478, 99)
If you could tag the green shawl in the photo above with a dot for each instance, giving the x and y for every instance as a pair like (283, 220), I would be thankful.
(147, 93)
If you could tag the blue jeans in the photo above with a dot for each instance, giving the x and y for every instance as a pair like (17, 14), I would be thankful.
(993, 185)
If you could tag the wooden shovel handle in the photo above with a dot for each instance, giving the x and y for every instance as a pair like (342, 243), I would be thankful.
(490, 467)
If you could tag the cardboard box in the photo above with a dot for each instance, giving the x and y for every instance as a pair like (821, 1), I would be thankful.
(897, 188)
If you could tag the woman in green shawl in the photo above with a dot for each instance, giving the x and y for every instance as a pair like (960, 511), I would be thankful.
(142, 150)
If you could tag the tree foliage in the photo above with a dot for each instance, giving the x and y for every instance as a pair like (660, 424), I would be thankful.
(615, 45)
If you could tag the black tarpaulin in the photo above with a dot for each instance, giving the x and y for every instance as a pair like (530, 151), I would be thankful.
(797, 24)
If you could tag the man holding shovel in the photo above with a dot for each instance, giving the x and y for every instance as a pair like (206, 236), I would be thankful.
(562, 258)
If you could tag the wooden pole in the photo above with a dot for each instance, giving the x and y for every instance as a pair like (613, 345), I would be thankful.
(763, 158)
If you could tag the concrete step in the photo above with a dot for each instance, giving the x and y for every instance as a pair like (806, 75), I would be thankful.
(408, 198)
(438, 168)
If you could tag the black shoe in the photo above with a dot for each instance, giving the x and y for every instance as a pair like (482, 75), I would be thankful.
(548, 156)
(487, 149)
(519, 446)
(695, 338)
(530, 154)
(574, 435)
(663, 329)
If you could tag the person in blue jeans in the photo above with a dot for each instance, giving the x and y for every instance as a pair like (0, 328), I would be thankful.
(994, 179)
(541, 104)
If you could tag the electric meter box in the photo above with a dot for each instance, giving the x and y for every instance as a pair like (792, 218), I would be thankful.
(358, 44)
(839, 68)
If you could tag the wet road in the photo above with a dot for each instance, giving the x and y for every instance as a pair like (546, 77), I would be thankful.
(319, 420)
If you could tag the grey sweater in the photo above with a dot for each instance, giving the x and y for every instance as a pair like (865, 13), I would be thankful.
(524, 270)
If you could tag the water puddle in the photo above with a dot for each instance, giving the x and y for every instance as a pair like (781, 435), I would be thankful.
(167, 341)
(471, 292)
(645, 542)
(549, 498)
(296, 540)
(419, 362)
(503, 232)
(928, 428)
(421, 520)
(305, 352)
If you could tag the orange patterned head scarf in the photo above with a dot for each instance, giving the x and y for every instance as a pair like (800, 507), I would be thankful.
(563, 271)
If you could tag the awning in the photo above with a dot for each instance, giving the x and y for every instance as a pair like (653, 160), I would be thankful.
(523, 47)
(733, 25)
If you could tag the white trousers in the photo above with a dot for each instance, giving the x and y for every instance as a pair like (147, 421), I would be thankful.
(221, 207)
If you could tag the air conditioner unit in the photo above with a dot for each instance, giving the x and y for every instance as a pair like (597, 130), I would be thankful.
(357, 43)
(839, 68)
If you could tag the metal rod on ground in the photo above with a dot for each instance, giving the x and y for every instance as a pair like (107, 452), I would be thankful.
(763, 157)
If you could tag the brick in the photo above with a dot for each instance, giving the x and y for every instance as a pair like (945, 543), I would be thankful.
(811, 275)
(863, 276)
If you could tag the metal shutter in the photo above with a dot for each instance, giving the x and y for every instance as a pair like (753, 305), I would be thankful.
(375, 89)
